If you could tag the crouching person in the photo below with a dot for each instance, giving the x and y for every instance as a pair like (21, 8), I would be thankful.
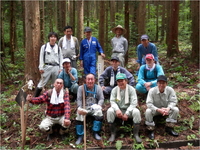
(123, 102)
(94, 99)
(161, 100)
(58, 108)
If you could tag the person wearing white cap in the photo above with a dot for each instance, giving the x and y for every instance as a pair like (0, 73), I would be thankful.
(50, 62)
(119, 44)
(70, 46)
(70, 77)
(148, 73)
(145, 48)
(123, 102)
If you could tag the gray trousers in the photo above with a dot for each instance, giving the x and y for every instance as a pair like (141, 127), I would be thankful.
(134, 113)
(172, 118)
(120, 56)
(50, 72)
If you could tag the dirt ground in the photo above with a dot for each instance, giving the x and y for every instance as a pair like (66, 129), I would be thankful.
(11, 131)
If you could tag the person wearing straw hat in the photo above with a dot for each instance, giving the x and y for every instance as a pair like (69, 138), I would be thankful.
(123, 102)
(119, 44)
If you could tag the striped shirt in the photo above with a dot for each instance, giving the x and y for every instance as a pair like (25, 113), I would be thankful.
(54, 110)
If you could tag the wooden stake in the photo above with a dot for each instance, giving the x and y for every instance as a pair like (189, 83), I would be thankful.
(84, 121)
(22, 124)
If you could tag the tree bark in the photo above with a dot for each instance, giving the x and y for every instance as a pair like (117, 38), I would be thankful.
(2, 31)
(33, 40)
(12, 31)
(126, 24)
(140, 20)
(61, 16)
(80, 20)
(195, 30)
(112, 13)
(163, 26)
(42, 21)
(172, 43)
(102, 23)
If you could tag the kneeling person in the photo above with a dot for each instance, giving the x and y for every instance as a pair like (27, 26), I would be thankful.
(161, 100)
(94, 100)
(58, 107)
(123, 102)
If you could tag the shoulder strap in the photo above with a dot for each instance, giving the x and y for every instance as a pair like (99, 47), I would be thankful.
(94, 93)
(44, 52)
(155, 71)
(145, 73)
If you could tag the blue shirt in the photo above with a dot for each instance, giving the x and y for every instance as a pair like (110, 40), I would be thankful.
(143, 51)
(66, 78)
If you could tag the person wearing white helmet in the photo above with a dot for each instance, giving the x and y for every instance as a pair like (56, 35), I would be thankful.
(70, 77)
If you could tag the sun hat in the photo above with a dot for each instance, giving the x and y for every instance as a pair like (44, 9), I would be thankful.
(119, 27)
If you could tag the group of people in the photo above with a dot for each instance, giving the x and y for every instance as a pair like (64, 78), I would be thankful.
(58, 62)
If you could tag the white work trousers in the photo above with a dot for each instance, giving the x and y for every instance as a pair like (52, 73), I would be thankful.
(50, 72)
(48, 122)
(149, 114)
(134, 113)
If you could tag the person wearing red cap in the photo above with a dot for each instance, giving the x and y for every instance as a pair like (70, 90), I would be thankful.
(148, 73)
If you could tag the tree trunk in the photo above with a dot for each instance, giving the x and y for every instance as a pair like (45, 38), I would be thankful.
(112, 13)
(195, 30)
(101, 23)
(106, 49)
(2, 31)
(163, 26)
(12, 30)
(87, 10)
(172, 48)
(61, 16)
(42, 21)
(23, 18)
(126, 25)
(33, 40)
(157, 23)
(140, 20)
(80, 20)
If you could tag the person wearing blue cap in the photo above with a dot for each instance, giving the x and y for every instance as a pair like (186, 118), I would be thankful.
(145, 48)
(123, 102)
(88, 48)
(161, 100)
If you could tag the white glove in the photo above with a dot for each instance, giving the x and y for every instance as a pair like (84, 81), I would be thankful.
(30, 84)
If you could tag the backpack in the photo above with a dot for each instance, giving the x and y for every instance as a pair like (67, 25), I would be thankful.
(94, 93)
(154, 70)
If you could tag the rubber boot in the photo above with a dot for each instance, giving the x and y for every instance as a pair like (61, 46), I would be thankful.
(151, 131)
(50, 134)
(113, 132)
(136, 128)
(171, 131)
(96, 128)
(79, 132)
(37, 92)
(63, 132)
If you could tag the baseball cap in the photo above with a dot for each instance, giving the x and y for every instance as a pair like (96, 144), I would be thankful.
(87, 29)
(162, 78)
(114, 58)
(144, 37)
(149, 56)
(120, 76)
(66, 60)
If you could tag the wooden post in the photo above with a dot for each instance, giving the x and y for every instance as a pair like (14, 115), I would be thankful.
(84, 121)
(100, 65)
(22, 124)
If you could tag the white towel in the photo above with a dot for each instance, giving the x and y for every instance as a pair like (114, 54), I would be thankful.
(126, 94)
(55, 100)
(48, 48)
(64, 43)
(147, 67)
(112, 78)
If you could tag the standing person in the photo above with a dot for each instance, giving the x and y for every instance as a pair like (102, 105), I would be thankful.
(107, 79)
(119, 44)
(70, 77)
(161, 100)
(70, 46)
(148, 73)
(123, 102)
(50, 62)
(58, 108)
(88, 48)
(93, 106)
(145, 48)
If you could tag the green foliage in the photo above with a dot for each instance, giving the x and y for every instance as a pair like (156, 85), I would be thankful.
(126, 128)
(191, 137)
(137, 146)
(189, 122)
(118, 144)
(195, 103)
(153, 143)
